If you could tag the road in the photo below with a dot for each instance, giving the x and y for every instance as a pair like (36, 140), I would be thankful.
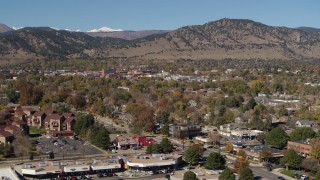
(258, 171)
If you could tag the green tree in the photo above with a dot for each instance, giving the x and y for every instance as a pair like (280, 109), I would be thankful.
(79, 101)
(102, 138)
(165, 129)
(149, 149)
(246, 174)
(51, 155)
(227, 174)
(251, 103)
(162, 117)
(292, 159)
(189, 175)
(12, 95)
(317, 177)
(277, 137)
(302, 133)
(193, 153)
(215, 161)
(256, 86)
(101, 108)
(166, 145)
(156, 148)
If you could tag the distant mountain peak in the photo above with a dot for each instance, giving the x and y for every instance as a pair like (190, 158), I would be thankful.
(4, 28)
(105, 29)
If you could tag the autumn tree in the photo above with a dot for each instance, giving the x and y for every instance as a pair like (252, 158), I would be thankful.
(79, 101)
(240, 164)
(315, 150)
(229, 147)
(22, 146)
(266, 154)
(310, 164)
(144, 118)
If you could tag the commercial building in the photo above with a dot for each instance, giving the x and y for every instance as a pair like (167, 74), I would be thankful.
(301, 147)
(54, 169)
(256, 153)
(155, 162)
(184, 131)
(127, 141)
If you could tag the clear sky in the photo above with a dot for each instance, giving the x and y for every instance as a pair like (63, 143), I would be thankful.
(155, 14)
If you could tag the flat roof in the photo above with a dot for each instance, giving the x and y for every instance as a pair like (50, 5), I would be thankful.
(153, 160)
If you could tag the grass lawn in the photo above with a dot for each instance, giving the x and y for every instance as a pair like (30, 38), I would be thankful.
(35, 132)
(287, 172)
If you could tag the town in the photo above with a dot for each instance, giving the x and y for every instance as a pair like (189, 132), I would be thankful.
(144, 122)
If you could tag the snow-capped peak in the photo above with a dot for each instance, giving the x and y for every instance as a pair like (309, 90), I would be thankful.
(105, 29)
(16, 28)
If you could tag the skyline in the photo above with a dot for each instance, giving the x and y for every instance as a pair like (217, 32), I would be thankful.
(157, 15)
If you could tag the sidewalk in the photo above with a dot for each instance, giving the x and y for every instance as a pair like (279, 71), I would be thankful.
(276, 171)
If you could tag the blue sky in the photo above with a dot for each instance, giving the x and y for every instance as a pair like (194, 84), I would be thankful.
(155, 14)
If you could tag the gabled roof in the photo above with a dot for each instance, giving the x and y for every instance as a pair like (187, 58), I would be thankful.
(305, 122)
(67, 115)
(14, 123)
(39, 113)
(5, 134)
(69, 119)
(54, 117)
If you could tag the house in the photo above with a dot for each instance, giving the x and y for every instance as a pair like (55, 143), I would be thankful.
(301, 147)
(184, 131)
(6, 137)
(54, 122)
(304, 123)
(37, 119)
(21, 125)
(69, 123)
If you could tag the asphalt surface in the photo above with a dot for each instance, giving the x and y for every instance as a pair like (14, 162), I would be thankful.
(67, 148)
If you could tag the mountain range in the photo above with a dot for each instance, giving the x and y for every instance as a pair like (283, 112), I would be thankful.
(222, 39)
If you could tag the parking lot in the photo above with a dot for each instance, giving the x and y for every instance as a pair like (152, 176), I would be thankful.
(66, 147)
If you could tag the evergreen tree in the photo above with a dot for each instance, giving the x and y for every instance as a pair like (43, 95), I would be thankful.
(215, 161)
(166, 146)
(165, 129)
(277, 138)
(292, 159)
(149, 149)
(193, 153)
(103, 138)
(246, 174)
(302, 133)
(227, 174)
(189, 175)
